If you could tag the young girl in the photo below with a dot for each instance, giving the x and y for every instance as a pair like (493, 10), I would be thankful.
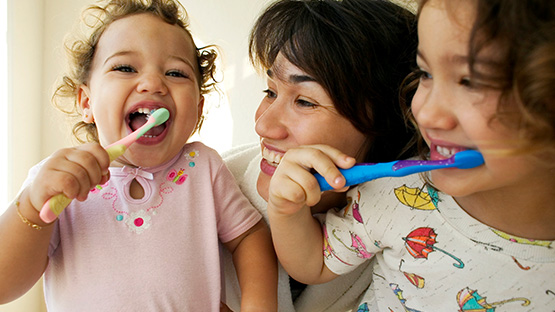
(146, 237)
(460, 239)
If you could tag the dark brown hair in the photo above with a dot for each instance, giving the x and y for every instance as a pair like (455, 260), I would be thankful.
(359, 51)
(82, 47)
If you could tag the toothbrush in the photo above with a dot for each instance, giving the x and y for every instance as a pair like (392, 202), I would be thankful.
(369, 171)
(56, 204)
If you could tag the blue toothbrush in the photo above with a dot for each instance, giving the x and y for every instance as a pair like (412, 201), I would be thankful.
(360, 173)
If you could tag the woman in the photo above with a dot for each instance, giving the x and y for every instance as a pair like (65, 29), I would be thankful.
(334, 69)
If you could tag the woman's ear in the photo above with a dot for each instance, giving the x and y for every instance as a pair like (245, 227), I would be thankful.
(84, 101)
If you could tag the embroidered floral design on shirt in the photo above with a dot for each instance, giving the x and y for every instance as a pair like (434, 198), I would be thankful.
(191, 156)
(97, 188)
(138, 221)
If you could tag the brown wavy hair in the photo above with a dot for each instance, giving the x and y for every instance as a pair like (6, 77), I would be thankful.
(523, 35)
(81, 48)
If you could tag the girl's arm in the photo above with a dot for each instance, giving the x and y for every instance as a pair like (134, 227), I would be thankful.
(297, 235)
(24, 249)
(256, 265)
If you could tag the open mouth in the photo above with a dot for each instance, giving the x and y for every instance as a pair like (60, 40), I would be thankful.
(271, 157)
(139, 117)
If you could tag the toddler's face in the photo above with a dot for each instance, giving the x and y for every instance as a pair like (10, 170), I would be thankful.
(143, 63)
(454, 110)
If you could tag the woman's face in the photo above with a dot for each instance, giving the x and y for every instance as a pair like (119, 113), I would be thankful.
(298, 111)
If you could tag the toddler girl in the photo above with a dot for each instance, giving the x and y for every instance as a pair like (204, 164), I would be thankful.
(146, 237)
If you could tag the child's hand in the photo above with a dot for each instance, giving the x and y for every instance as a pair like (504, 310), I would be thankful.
(71, 171)
(293, 185)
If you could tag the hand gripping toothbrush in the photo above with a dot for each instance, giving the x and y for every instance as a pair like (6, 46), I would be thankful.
(56, 204)
(364, 172)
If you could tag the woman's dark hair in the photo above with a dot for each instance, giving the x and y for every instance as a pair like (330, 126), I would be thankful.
(359, 51)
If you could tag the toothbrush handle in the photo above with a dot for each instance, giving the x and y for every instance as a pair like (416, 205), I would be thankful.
(359, 173)
(57, 203)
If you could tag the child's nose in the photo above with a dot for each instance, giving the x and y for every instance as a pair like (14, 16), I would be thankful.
(269, 121)
(151, 83)
(434, 110)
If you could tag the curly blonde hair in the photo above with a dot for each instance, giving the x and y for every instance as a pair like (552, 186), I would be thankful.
(81, 48)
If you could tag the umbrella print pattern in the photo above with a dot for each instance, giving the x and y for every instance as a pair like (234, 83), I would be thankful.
(399, 293)
(355, 208)
(357, 246)
(470, 300)
(417, 198)
(417, 280)
(420, 242)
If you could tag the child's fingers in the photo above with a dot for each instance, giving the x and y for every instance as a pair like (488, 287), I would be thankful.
(339, 158)
(74, 171)
(295, 184)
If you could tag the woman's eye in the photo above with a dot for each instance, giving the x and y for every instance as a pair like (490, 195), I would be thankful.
(304, 103)
(124, 68)
(270, 94)
(177, 73)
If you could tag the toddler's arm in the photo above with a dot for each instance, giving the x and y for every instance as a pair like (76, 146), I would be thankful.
(297, 235)
(23, 249)
(256, 264)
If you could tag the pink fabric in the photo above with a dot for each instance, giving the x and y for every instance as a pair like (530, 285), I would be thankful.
(158, 253)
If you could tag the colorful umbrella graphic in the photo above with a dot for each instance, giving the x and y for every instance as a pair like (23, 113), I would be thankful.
(470, 301)
(420, 242)
(417, 280)
(416, 198)
(399, 293)
(359, 247)
(363, 308)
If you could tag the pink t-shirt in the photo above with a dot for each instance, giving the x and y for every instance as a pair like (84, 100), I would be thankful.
(158, 253)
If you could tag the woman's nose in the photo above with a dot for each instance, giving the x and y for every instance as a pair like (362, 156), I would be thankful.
(269, 119)
(152, 83)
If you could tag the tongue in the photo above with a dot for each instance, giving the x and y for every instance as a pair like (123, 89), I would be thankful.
(139, 120)
(155, 131)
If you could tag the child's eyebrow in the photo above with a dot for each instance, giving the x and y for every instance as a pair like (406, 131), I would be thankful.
(452, 59)
(119, 53)
(182, 59)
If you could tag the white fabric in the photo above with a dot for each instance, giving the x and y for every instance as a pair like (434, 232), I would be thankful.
(389, 220)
